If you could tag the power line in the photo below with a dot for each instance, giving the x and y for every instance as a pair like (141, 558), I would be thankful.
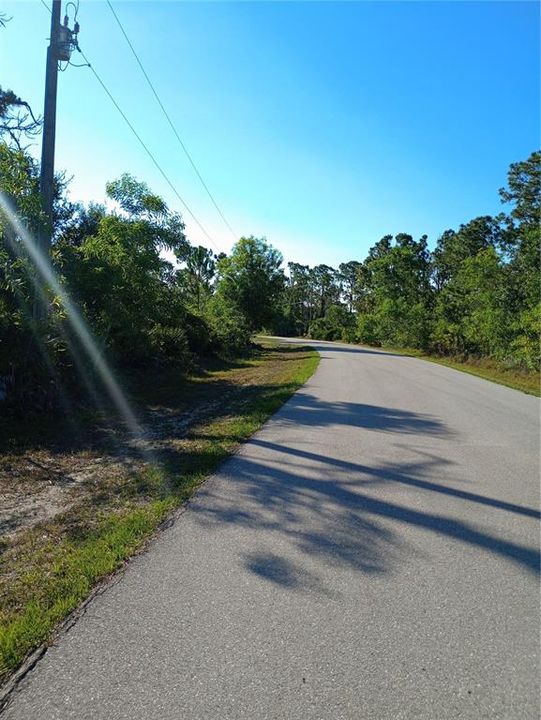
(149, 153)
(168, 118)
(143, 144)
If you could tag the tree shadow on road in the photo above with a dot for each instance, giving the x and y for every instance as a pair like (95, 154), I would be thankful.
(326, 509)
(308, 410)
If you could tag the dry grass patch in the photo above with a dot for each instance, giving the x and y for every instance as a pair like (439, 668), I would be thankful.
(515, 378)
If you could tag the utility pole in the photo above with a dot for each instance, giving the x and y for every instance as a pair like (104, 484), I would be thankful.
(49, 130)
(47, 151)
(60, 45)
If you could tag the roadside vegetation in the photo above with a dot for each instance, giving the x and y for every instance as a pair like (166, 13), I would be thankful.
(473, 302)
(151, 300)
(109, 495)
(514, 377)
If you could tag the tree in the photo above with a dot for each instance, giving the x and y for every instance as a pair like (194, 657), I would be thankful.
(453, 248)
(338, 324)
(135, 198)
(472, 317)
(84, 221)
(523, 242)
(198, 274)
(139, 203)
(113, 266)
(324, 287)
(17, 121)
(251, 279)
(349, 278)
(381, 248)
(523, 234)
(524, 190)
(396, 292)
(297, 305)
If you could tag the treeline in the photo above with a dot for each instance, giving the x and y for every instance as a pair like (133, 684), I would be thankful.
(141, 309)
(476, 294)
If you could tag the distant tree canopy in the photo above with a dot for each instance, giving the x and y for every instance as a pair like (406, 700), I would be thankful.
(475, 294)
(251, 280)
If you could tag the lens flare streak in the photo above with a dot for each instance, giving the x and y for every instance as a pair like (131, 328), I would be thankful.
(47, 277)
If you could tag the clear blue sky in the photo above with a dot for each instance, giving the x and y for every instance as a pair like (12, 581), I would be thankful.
(322, 126)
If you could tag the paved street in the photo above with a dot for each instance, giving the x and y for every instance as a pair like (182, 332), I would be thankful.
(372, 552)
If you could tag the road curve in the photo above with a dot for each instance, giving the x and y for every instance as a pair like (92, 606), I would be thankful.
(372, 552)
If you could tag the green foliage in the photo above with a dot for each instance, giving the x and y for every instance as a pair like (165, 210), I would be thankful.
(471, 309)
(196, 277)
(367, 329)
(297, 307)
(310, 292)
(251, 280)
(454, 248)
(120, 282)
(526, 343)
(231, 330)
(32, 354)
(140, 309)
(135, 198)
(524, 190)
(349, 279)
(394, 293)
(477, 294)
(338, 324)
(19, 182)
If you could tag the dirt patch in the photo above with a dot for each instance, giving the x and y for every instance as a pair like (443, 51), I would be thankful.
(42, 479)
(37, 486)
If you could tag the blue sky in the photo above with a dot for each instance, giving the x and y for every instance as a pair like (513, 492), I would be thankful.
(322, 126)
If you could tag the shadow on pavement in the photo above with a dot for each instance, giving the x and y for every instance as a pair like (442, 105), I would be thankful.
(314, 412)
(322, 508)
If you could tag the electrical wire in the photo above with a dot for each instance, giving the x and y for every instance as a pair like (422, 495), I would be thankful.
(168, 118)
(75, 7)
(142, 143)
(148, 151)
(46, 6)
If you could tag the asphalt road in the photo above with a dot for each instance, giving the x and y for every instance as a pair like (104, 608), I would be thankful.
(372, 552)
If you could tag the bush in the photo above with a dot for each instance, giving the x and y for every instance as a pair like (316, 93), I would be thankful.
(170, 345)
(230, 330)
(526, 347)
(338, 324)
(320, 330)
(349, 335)
(367, 331)
(197, 331)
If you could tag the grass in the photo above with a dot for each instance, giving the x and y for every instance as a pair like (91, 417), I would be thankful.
(517, 379)
(48, 569)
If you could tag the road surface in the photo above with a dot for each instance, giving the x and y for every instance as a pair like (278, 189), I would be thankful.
(372, 552)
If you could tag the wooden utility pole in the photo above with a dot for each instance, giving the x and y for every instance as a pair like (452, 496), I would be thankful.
(47, 149)
(49, 129)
